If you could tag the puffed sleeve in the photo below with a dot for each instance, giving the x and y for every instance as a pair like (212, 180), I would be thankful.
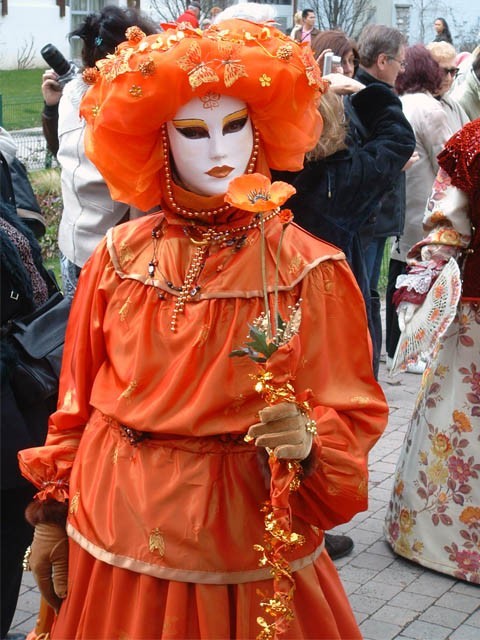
(347, 403)
(447, 232)
(48, 467)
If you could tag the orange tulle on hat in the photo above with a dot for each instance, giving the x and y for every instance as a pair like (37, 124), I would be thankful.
(144, 83)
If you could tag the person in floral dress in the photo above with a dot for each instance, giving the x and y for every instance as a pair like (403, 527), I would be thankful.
(433, 517)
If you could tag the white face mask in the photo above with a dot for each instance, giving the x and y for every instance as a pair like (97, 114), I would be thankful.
(211, 142)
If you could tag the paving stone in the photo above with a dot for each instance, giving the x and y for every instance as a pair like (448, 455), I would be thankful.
(365, 537)
(445, 617)
(359, 575)
(350, 587)
(466, 588)
(370, 524)
(465, 632)
(426, 631)
(413, 601)
(474, 619)
(365, 604)
(379, 630)
(395, 615)
(459, 602)
(382, 548)
(21, 617)
(371, 561)
(397, 574)
(432, 584)
(379, 589)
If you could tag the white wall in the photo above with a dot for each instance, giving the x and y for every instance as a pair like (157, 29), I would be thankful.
(32, 20)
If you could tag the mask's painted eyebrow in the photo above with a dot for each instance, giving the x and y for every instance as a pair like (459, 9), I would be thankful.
(189, 122)
(236, 115)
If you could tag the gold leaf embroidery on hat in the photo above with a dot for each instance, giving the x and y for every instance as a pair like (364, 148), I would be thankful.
(234, 69)
(312, 70)
(115, 64)
(265, 80)
(134, 34)
(147, 68)
(135, 91)
(156, 542)
(198, 71)
(285, 52)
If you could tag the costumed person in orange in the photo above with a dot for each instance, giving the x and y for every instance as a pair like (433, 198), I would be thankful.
(197, 485)
(433, 516)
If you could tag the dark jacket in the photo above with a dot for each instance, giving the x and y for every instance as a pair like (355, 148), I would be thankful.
(21, 426)
(336, 194)
(50, 127)
(387, 218)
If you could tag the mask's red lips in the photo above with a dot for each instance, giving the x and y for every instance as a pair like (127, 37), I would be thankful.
(220, 172)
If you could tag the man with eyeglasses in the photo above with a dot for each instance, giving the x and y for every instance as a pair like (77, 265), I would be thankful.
(382, 57)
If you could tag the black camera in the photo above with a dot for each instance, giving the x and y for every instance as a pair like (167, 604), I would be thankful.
(66, 70)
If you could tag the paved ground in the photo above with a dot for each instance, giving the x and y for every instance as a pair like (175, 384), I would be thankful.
(391, 597)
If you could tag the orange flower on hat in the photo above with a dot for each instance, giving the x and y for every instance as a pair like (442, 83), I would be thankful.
(254, 192)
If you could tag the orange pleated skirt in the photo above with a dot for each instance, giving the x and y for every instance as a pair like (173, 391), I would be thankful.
(106, 603)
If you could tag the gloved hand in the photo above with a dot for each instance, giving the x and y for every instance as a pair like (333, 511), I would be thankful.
(49, 555)
(405, 311)
(285, 430)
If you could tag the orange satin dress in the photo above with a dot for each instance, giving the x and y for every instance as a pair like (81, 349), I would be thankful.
(147, 442)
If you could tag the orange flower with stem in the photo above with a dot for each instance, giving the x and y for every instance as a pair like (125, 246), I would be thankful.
(254, 192)
(257, 194)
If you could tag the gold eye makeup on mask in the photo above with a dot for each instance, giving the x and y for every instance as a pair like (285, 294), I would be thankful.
(191, 128)
(234, 121)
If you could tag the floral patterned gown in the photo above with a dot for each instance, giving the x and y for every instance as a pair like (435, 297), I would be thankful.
(433, 517)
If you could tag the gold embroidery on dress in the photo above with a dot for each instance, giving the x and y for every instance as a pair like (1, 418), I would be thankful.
(363, 488)
(74, 502)
(333, 490)
(115, 455)
(129, 390)
(236, 405)
(203, 335)
(68, 399)
(363, 400)
(156, 542)
(124, 309)
(125, 254)
(296, 264)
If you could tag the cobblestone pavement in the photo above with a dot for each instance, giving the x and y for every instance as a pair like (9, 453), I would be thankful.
(391, 598)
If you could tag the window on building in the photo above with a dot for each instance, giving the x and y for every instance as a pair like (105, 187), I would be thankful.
(79, 9)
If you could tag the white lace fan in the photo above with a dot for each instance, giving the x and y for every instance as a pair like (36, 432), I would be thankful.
(431, 320)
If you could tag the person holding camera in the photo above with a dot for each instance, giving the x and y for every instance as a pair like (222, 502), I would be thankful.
(88, 209)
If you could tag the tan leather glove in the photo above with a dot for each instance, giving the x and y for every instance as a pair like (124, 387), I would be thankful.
(285, 430)
(49, 562)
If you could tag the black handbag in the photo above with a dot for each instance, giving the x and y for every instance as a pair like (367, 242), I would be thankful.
(37, 340)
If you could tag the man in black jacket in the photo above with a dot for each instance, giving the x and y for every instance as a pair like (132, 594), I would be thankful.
(382, 57)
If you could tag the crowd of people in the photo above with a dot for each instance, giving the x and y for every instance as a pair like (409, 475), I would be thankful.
(193, 473)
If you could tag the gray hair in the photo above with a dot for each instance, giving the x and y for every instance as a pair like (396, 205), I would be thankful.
(376, 39)
(248, 11)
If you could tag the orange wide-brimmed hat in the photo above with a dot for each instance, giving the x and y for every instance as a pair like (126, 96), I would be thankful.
(144, 83)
